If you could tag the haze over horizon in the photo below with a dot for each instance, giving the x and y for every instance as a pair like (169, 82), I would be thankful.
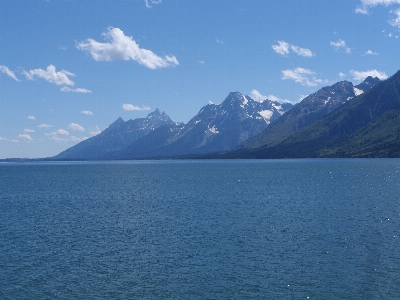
(70, 69)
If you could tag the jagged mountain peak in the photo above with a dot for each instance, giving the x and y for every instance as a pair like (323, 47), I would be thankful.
(160, 115)
(117, 123)
(235, 98)
(368, 83)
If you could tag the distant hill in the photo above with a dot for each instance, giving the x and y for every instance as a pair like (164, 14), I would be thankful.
(366, 126)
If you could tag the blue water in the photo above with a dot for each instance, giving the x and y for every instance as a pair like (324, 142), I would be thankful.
(251, 229)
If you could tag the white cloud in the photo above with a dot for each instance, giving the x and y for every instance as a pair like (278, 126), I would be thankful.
(15, 141)
(341, 44)
(132, 107)
(75, 127)
(150, 2)
(122, 47)
(365, 4)
(3, 139)
(370, 52)
(62, 131)
(361, 10)
(58, 139)
(77, 90)
(302, 97)
(77, 139)
(396, 22)
(361, 75)
(302, 76)
(95, 132)
(284, 47)
(25, 137)
(8, 72)
(50, 75)
(302, 51)
(87, 112)
(219, 41)
(257, 96)
(26, 130)
(342, 75)
(31, 118)
(45, 126)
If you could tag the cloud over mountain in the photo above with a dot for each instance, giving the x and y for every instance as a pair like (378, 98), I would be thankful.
(303, 76)
(128, 106)
(361, 75)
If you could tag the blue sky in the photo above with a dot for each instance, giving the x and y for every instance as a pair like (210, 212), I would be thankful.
(68, 69)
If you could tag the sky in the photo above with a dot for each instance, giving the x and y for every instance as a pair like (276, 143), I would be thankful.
(68, 69)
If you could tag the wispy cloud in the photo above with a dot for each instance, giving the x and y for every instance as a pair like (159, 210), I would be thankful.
(77, 90)
(77, 139)
(31, 118)
(303, 76)
(122, 47)
(75, 127)
(283, 48)
(50, 75)
(396, 21)
(94, 132)
(8, 72)
(361, 75)
(86, 112)
(341, 44)
(257, 96)
(149, 3)
(370, 52)
(366, 4)
(342, 75)
(25, 137)
(128, 106)
(58, 139)
(27, 130)
(219, 41)
(45, 126)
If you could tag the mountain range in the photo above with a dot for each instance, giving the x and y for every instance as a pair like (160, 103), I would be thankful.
(216, 128)
(342, 120)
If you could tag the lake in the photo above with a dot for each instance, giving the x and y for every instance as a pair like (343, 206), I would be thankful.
(204, 229)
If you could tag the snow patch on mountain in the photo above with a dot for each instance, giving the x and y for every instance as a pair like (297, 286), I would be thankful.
(266, 114)
(358, 91)
(213, 129)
